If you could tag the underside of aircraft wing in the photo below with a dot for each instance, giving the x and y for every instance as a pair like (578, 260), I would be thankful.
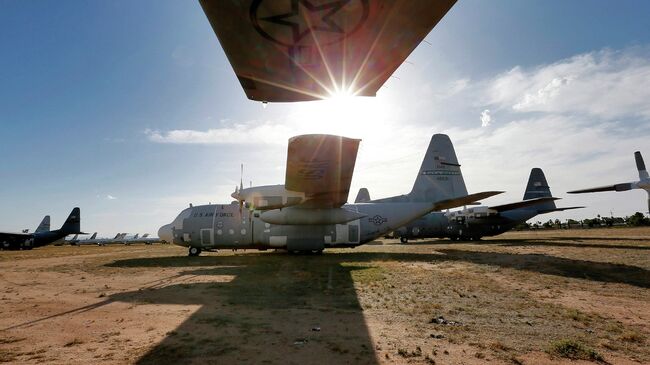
(297, 50)
(464, 200)
(616, 187)
(321, 166)
(522, 204)
(557, 210)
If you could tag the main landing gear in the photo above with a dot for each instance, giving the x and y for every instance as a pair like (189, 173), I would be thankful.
(194, 251)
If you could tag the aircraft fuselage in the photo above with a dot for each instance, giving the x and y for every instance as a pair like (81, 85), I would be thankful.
(229, 226)
(440, 225)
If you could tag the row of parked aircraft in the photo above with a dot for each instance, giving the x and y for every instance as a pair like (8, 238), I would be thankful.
(43, 236)
(120, 238)
(309, 213)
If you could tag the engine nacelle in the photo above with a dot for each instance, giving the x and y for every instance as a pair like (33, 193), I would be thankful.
(298, 216)
(268, 197)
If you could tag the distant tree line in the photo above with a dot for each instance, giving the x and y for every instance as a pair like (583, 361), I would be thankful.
(638, 219)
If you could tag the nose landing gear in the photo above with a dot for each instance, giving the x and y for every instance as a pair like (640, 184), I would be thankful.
(194, 251)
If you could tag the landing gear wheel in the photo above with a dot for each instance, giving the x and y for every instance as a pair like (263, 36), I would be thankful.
(317, 252)
(194, 251)
(403, 239)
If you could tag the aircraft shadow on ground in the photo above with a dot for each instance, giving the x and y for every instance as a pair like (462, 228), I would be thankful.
(268, 311)
(260, 308)
(550, 242)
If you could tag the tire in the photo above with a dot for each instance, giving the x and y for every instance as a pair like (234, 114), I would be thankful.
(403, 239)
(194, 251)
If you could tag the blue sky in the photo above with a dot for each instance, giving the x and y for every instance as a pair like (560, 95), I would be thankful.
(130, 110)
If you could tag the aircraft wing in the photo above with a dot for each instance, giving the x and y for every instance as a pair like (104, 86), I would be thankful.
(321, 166)
(297, 50)
(557, 210)
(464, 200)
(522, 204)
(616, 187)
(10, 236)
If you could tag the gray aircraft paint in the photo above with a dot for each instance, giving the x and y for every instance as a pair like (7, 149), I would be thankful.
(643, 183)
(236, 226)
(226, 226)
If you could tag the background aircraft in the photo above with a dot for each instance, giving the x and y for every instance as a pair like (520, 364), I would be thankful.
(474, 223)
(308, 213)
(283, 51)
(27, 241)
(442, 170)
(643, 183)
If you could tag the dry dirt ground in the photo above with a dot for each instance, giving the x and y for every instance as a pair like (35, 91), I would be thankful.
(521, 298)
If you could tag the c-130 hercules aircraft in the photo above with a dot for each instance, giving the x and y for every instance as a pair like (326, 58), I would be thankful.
(471, 223)
(309, 212)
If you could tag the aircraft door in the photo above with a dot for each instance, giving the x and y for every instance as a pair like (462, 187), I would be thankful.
(354, 232)
(207, 238)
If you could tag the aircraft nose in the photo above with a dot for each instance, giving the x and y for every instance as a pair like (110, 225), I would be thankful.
(165, 233)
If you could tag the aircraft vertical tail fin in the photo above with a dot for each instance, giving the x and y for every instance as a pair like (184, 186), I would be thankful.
(640, 165)
(439, 176)
(136, 236)
(93, 236)
(537, 187)
(44, 226)
(145, 235)
(72, 225)
(363, 196)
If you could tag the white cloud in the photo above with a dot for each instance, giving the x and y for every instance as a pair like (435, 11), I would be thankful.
(486, 119)
(605, 84)
(237, 133)
(110, 197)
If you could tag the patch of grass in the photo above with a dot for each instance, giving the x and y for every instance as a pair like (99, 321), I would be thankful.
(633, 336)
(574, 350)
(368, 275)
(216, 320)
(577, 315)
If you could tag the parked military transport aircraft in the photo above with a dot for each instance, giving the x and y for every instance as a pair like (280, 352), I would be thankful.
(297, 50)
(474, 223)
(27, 241)
(643, 183)
(308, 213)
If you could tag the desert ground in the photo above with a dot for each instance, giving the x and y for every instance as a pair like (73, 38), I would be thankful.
(543, 297)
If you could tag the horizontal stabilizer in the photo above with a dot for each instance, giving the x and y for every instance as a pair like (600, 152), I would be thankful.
(616, 187)
(464, 200)
(523, 204)
(544, 211)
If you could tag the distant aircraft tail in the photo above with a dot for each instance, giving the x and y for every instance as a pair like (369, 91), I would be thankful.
(640, 165)
(44, 226)
(93, 236)
(136, 236)
(439, 176)
(537, 187)
(145, 235)
(72, 225)
(363, 196)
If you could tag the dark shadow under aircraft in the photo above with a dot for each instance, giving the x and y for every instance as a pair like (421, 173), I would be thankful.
(27, 241)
